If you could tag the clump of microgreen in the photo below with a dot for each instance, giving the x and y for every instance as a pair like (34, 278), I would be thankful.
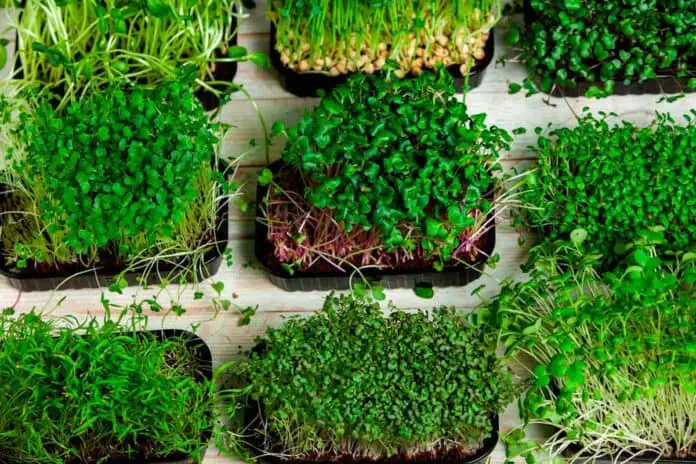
(611, 181)
(604, 43)
(610, 357)
(86, 391)
(382, 173)
(124, 177)
(344, 36)
(73, 46)
(352, 382)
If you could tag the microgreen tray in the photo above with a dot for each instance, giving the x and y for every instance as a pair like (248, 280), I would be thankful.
(30, 281)
(254, 410)
(392, 278)
(661, 85)
(204, 357)
(307, 84)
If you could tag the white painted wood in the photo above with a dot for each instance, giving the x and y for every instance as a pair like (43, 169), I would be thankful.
(249, 284)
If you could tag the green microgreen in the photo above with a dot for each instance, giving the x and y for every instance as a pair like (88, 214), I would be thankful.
(87, 391)
(350, 381)
(611, 359)
(604, 43)
(384, 172)
(75, 45)
(344, 36)
(612, 181)
(124, 177)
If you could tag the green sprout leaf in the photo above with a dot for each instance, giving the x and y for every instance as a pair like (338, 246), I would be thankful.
(424, 290)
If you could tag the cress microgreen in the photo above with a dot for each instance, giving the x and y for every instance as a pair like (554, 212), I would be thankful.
(352, 382)
(384, 172)
(344, 36)
(612, 181)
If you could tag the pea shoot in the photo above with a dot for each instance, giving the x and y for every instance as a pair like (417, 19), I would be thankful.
(338, 37)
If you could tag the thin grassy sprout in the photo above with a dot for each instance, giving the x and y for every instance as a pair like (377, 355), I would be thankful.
(88, 390)
(76, 46)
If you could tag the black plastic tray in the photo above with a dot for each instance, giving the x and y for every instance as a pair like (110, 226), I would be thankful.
(205, 359)
(307, 281)
(658, 86)
(307, 84)
(29, 281)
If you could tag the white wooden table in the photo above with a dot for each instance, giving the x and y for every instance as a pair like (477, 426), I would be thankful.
(249, 284)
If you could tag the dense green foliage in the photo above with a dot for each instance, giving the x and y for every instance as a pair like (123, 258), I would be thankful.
(345, 36)
(350, 380)
(605, 43)
(614, 357)
(84, 392)
(73, 45)
(116, 164)
(402, 158)
(128, 170)
(612, 181)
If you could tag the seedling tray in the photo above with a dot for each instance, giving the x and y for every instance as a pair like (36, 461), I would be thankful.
(253, 410)
(658, 86)
(28, 280)
(201, 351)
(392, 278)
(307, 84)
